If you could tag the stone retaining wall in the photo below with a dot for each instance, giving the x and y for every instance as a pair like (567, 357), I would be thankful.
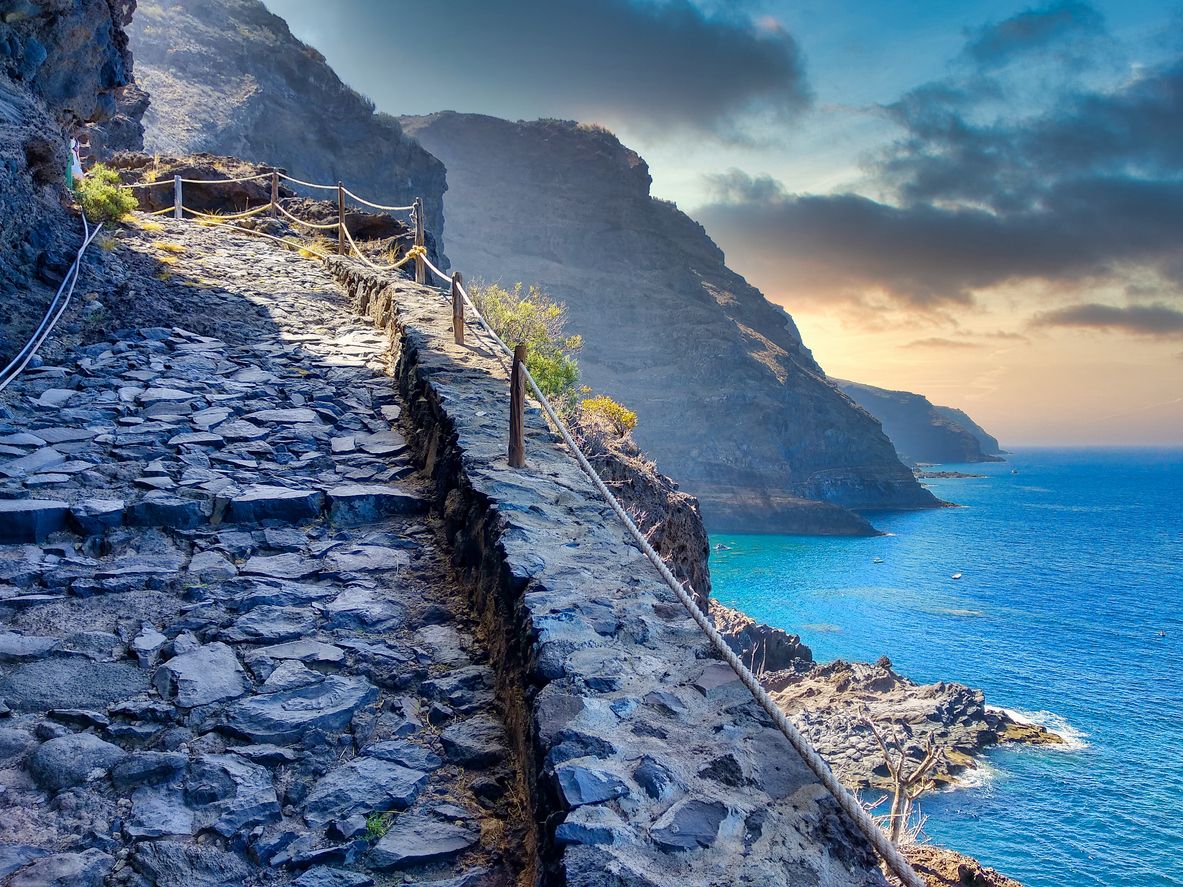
(645, 760)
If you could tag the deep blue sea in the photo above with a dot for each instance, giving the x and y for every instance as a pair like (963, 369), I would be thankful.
(1070, 569)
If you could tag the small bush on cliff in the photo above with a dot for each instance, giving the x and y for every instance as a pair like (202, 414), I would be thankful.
(617, 415)
(530, 317)
(103, 197)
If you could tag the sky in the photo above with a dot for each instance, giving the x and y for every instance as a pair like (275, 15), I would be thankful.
(981, 201)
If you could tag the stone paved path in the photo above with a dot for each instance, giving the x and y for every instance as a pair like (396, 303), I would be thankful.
(231, 651)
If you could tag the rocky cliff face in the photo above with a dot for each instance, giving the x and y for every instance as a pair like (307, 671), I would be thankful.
(227, 77)
(920, 431)
(732, 404)
(988, 442)
(61, 63)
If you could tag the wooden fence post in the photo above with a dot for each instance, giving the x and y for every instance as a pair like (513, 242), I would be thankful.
(274, 193)
(420, 268)
(457, 309)
(177, 213)
(517, 406)
(340, 219)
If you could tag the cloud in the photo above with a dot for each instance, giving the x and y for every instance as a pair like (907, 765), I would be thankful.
(1160, 321)
(651, 65)
(939, 342)
(981, 190)
(924, 255)
(1033, 30)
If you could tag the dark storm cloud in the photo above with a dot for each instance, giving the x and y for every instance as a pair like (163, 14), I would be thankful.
(1144, 320)
(925, 255)
(1087, 189)
(1034, 30)
(655, 65)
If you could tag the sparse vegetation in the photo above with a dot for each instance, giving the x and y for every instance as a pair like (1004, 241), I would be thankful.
(377, 825)
(146, 225)
(103, 196)
(617, 415)
(528, 316)
(167, 247)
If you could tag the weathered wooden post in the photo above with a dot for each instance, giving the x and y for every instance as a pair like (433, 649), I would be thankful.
(517, 407)
(340, 219)
(457, 309)
(420, 267)
(274, 193)
(177, 213)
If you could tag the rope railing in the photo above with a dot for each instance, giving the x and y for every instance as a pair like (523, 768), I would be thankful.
(296, 181)
(390, 209)
(316, 226)
(816, 763)
(57, 307)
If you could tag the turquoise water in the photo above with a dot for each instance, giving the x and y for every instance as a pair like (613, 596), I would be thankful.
(1071, 567)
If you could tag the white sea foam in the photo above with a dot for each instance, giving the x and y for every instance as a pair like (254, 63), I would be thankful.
(977, 777)
(1074, 739)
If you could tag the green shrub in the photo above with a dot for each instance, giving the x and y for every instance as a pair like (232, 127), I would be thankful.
(530, 317)
(617, 415)
(103, 197)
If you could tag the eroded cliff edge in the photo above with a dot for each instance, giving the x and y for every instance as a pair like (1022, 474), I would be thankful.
(648, 762)
(731, 402)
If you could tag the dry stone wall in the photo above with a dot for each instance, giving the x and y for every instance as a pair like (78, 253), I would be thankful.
(647, 761)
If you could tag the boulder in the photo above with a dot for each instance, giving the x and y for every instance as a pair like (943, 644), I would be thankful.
(476, 742)
(73, 759)
(86, 869)
(171, 864)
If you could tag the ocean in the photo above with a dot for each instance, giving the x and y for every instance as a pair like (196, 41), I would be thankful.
(1070, 569)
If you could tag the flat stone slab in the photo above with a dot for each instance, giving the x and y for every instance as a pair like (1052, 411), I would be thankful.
(263, 502)
(305, 651)
(91, 517)
(296, 416)
(352, 505)
(208, 674)
(24, 648)
(30, 520)
(284, 717)
(362, 786)
(416, 839)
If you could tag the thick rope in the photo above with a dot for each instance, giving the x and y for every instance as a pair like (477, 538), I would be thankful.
(288, 178)
(846, 800)
(413, 252)
(391, 209)
(262, 175)
(230, 217)
(312, 225)
(52, 316)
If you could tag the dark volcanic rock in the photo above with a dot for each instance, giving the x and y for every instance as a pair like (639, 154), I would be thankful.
(731, 403)
(171, 864)
(362, 786)
(415, 839)
(30, 520)
(476, 742)
(72, 760)
(86, 869)
(988, 442)
(284, 717)
(207, 674)
(761, 647)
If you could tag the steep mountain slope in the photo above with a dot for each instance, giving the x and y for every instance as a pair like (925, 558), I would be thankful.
(988, 442)
(227, 77)
(731, 403)
(919, 430)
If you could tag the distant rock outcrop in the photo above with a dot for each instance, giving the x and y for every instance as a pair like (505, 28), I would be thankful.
(988, 442)
(731, 403)
(227, 77)
(920, 431)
